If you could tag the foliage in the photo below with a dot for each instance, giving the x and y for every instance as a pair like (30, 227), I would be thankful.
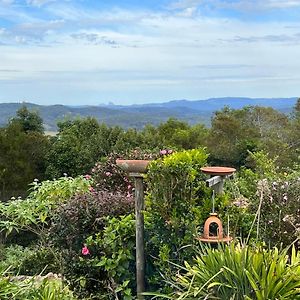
(77, 146)
(84, 215)
(239, 272)
(31, 288)
(235, 132)
(22, 158)
(105, 267)
(280, 210)
(109, 177)
(30, 121)
(36, 209)
(177, 203)
(47, 290)
(28, 261)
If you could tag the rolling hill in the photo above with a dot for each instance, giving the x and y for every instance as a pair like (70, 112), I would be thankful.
(137, 116)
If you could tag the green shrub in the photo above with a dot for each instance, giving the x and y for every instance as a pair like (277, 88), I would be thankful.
(34, 213)
(177, 203)
(237, 272)
(106, 265)
(13, 288)
(28, 261)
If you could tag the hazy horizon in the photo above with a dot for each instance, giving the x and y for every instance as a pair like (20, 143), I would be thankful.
(133, 52)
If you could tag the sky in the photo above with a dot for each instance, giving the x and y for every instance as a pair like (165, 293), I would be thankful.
(90, 52)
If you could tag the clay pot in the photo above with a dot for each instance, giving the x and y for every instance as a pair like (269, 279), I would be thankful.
(133, 166)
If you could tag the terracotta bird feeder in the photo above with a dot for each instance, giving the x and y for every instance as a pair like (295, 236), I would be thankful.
(213, 231)
(213, 228)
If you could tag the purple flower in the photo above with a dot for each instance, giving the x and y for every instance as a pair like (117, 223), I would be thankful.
(163, 152)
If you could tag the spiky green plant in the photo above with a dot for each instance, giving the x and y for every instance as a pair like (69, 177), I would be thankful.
(239, 272)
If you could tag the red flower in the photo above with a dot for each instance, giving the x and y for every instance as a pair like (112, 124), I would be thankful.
(85, 250)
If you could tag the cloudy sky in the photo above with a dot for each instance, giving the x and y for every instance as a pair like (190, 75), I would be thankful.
(137, 51)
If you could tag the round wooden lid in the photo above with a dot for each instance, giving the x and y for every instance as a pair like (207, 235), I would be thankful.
(218, 170)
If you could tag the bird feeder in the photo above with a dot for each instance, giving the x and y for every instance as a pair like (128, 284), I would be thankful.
(137, 169)
(213, 228)
(213, 231)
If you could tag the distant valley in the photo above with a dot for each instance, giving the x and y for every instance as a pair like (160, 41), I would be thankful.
(137, 116)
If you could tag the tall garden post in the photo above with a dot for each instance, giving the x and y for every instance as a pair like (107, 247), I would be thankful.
(140, 247)
(136, 169)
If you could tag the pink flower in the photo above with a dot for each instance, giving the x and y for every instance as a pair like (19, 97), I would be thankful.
(170, 151)
(108, 174)
(163, 152)
(129, 187)
(87, 177)
(85, 250)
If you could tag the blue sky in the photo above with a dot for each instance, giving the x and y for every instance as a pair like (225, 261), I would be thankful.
(93, 52)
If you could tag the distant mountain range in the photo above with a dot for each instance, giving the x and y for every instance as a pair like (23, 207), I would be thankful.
(137, 116)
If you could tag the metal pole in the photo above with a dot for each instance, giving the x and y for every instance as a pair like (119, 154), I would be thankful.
(140, 251)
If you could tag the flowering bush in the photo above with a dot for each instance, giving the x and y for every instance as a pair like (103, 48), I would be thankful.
(109, 177)
(105, 265)
(280, 210)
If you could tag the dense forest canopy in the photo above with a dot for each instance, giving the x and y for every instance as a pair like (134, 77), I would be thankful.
(27, 153)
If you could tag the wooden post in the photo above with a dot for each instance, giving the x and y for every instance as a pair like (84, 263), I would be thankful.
(140, 248)
(218, 188)
(216, 183)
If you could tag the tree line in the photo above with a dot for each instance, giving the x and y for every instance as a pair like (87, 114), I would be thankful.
(27, 153)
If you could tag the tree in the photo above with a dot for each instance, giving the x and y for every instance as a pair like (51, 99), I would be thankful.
(30, 121)
(235, 132)
(22, 159)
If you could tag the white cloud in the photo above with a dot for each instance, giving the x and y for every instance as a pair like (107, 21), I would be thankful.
(242, 5)
(40, 3)
(6, 2)
(87, 54)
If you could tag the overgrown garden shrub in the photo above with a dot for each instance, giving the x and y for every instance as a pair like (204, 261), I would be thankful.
(84, 215)
(88, 220)
(33, 213)
(177, 204)
(104, 266)
(29, 260)
(279, 221)
(32, 288)
(109, 177)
